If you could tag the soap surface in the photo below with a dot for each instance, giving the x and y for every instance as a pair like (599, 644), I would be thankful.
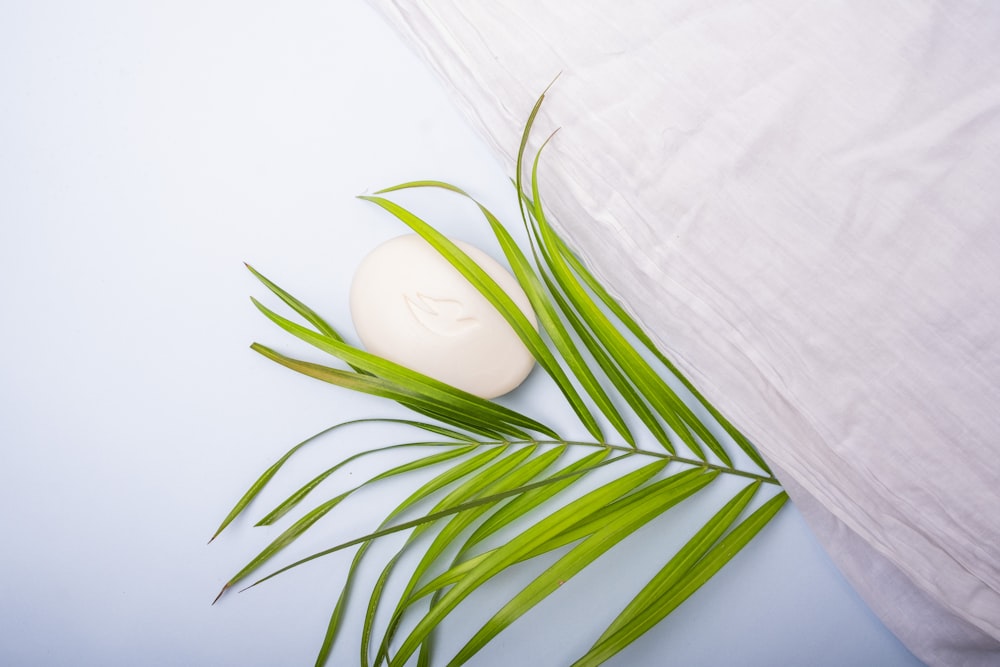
(411, 306)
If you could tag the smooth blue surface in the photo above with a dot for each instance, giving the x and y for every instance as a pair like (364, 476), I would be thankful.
(145, 152)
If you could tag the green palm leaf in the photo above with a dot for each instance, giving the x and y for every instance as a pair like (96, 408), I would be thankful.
(453, 406)
(507, 479)
(500, 466)
(262, 481)
(529, 540)
(616, 308)
(502, 302)
(680, 417)
(428, 489)
(305, 522)
(610, 533)
(542, 302)
(684, 583)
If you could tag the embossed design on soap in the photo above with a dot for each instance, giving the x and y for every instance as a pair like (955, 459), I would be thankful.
(412, 307)
(445, 317)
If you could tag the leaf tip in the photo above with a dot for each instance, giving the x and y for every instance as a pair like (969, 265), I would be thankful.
(243, 590)
(551, 83)
(221, 593)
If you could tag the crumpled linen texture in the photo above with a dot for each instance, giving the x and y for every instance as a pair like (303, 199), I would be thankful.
(800, 201)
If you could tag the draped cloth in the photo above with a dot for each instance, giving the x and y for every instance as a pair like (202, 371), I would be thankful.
(799, 201)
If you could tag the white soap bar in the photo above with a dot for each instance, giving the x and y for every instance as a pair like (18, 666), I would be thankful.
(411, 306)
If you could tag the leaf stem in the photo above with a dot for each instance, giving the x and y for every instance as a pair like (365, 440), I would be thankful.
(767, 479)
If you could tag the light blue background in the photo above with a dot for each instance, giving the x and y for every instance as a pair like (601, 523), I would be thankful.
(145, 152)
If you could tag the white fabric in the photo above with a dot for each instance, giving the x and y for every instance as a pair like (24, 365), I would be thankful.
(800, 201)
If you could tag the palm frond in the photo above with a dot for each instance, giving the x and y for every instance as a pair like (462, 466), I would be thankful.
(542, 301)
(502, 302)
(685, 583)
(507, 474)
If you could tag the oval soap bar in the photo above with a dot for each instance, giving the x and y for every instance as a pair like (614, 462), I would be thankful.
(411, 306)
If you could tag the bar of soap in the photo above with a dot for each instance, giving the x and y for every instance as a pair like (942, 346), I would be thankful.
(411, 306)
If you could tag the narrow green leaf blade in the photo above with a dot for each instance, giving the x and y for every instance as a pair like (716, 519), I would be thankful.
(520, 506)
(532, 499)
(545, 310)
(517, 472)
(471, 488)
(524, 543)
(262, 481)
(289, 535)
(586, 527)
(307, 313)
(501, 301)
(453, 414)
(678, 415)
(693, 579)
(633, 326)
(428, 387)
(460, 448)
(611, 370)
(436, 484)
(685, 558)
(637, 515)
(294, 531)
